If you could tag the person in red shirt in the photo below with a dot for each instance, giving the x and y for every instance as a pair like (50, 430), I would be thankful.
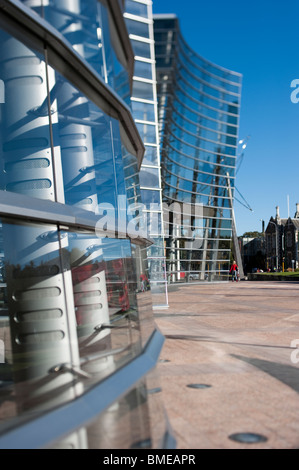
(234, 271)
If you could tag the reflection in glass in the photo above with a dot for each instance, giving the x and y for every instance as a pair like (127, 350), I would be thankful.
(42, 333)
(24, 122)
(69, 313)
(199, 107)
(86, 25)
(143, 69)
(141, 49)
(68, 301)
(143, 111)
(136, 8)
(128, 423)
(143, 90)
(147, 132)
(137, 28)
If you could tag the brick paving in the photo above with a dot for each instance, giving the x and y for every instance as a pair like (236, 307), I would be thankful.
(236, 338)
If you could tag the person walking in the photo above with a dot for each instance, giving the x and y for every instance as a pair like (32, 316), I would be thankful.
(234, 271)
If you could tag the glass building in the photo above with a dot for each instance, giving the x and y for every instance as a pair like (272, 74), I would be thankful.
(139, 21)
(78, 344)
(198, 107)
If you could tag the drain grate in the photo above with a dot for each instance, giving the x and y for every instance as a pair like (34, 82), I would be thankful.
(154, 390)
(248, 437)
(198, 386)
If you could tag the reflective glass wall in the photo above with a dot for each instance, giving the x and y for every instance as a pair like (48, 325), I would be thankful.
(199, 104)
(74, 314)
(139, 21)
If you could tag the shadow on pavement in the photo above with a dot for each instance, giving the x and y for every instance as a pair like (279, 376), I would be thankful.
(289, 375)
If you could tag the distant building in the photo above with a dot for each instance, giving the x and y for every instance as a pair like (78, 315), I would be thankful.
(274, 241)
(291, 241)
(281, 237)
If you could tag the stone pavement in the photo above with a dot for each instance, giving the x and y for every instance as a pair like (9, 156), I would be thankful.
(236, 338)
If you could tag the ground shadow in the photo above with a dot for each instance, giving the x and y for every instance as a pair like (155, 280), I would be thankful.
(287, 374)
(210, 339)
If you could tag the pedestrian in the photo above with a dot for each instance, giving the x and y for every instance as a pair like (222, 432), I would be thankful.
(234, 271)
(144, 282)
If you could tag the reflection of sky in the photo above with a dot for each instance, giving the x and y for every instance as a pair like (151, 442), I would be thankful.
(115, 249)
(34, 245)
(223, 33)
(30, 244)
(99, 249)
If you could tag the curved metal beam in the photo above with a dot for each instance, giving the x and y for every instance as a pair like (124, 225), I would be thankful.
(47, 429)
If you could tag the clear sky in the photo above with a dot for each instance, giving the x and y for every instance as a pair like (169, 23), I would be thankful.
(260, 39)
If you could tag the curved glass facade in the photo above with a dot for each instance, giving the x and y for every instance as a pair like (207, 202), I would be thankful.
(139, 20)
(199, 104)
(78, 343)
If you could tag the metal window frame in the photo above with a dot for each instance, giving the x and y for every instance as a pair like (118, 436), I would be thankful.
(117, 17)
(26, 208)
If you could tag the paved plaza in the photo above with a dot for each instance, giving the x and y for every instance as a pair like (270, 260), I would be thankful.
(235, 343)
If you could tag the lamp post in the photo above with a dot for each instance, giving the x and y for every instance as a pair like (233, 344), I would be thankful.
(276, 244)
(263, 244)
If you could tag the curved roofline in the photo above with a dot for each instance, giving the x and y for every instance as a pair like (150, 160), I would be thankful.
(169, 16)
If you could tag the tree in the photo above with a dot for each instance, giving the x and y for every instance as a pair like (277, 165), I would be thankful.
(255, 234)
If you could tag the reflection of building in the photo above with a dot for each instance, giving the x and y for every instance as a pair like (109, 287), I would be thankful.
(253, 253)
(80, 340)
(282, 241)
(198, 106)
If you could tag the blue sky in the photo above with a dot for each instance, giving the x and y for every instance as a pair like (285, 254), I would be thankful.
(260, 39)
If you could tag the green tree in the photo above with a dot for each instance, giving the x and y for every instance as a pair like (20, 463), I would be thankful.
(255, 234)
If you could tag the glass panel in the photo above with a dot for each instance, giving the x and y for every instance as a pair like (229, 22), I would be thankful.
(138, 413)
(82, 26)
(136, 8)
(87, 27)
(137, 28)
(69, 314)
(150, 156)
(143, 69)
(147, 132)
(141, 49)
(149, 177)
(143, 111)
(37, 322)
(149, 197)
(143, 90)
(91, 152)
(144, 297)
(158, 293)
(105, 284)
(24, 122)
